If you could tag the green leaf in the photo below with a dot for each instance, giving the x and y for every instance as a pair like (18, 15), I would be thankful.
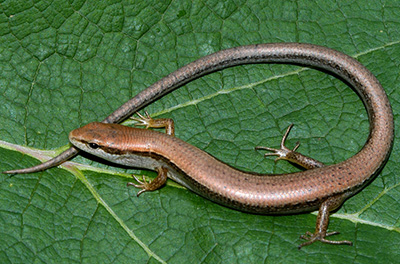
(66, 63)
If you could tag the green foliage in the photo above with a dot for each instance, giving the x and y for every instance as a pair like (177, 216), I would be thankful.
(66, 63)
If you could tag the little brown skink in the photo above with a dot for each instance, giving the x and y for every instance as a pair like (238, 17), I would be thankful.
(324, 187)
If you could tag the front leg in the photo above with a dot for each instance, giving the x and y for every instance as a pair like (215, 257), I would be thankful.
(160, 180)
(149, 122)
(153, 185)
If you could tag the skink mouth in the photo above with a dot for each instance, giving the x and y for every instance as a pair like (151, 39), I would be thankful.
(77, 143)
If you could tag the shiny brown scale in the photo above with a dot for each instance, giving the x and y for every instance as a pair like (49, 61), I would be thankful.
(323, 187)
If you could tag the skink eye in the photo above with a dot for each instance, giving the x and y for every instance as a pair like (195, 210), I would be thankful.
(93, 145)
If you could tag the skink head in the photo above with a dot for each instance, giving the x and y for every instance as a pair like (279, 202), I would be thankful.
(100, 139)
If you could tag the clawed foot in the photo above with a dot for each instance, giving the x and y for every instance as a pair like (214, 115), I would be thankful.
(147, 185)
(291, 155)
(142, 120)
(144, 184)
(322, 238)
(283, 152)
(148, 122)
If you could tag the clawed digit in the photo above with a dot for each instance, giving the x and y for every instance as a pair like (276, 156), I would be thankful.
(144, 184)
(147, 185)
(322, 238)
(143, 120)
(147, 121)
(283, 152)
